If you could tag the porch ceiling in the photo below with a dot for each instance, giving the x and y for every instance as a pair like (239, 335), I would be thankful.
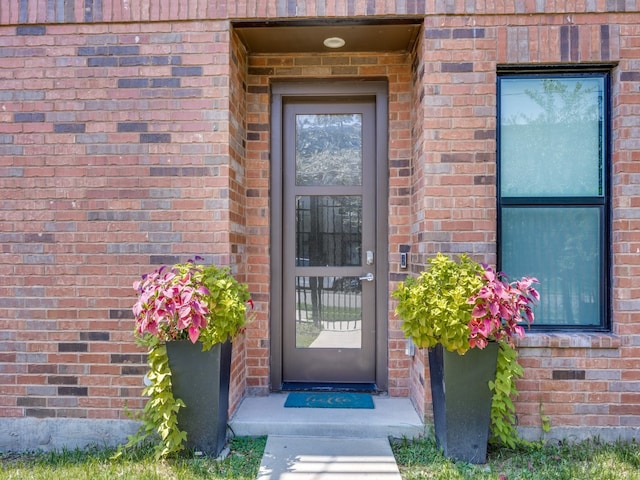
(297, 37)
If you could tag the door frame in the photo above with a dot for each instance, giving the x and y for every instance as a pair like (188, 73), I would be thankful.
(280, 92)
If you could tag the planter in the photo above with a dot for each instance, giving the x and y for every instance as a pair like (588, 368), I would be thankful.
(462, 400)
(201, 380)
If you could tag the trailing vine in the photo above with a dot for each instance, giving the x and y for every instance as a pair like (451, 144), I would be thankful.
(463, 305)
(503, 411)
(545, 421)
(186, 301)
(160, 414)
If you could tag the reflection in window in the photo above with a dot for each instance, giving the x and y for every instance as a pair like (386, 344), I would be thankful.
(329, 149)
(328, 312)
(552, 125)
(565, 258)
(552, 146)
(328, 230)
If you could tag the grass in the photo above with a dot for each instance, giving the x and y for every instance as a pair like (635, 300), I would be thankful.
(419, 459)
(242, 463)
(306, 333)
(583, 461)
(333, 314)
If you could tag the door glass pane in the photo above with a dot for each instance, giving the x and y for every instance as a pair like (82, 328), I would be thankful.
(328, 312)
(561, 247)
(328, 230)
(552, 125)
(329, 149)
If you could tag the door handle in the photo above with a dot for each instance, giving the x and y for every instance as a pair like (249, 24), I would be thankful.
(368, 277)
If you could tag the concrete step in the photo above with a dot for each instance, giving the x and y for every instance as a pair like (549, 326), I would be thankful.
(325, 458)
(391, 417)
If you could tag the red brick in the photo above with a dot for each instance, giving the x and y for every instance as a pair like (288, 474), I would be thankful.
(56, 194)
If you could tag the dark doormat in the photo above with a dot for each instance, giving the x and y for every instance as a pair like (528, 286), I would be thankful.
(329, 400)
(330, 387)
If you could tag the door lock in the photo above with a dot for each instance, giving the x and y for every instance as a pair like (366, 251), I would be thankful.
(369, 257)
(368, 277)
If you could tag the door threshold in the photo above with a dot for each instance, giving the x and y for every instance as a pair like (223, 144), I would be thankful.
(330, 387)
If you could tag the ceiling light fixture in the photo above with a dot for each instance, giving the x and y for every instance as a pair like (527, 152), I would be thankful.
(334, 42)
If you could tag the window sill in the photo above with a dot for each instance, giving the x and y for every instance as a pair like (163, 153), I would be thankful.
(569, 340)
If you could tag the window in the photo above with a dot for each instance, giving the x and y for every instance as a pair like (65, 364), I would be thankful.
(553, 193)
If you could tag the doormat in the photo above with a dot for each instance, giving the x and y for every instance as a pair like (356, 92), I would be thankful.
(329, 387)
(329, 400)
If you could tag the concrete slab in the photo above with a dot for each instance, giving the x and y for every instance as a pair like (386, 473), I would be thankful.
(323, 458)
(28, 433)
(391, 417)
(338, 339)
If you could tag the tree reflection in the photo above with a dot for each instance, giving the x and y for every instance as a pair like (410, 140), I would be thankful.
(329, 149)
(552, 157)
(551, 140)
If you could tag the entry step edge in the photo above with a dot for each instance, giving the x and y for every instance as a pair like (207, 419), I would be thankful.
(391, 417)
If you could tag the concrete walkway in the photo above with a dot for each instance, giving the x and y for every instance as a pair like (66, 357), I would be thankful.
(327, 443)
(325, 458)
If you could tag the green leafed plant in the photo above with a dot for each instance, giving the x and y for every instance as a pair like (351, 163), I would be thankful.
(434, 306)
(160, 414)
(462, 305)
(190, 301)
(503, 411)
(186, 301)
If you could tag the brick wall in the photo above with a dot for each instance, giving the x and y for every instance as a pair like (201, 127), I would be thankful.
(115, 159)
(623, 385)
(131, 137)
(266, 68)
(71, 11)
(419, 384)
(577, 380)
(237, 207)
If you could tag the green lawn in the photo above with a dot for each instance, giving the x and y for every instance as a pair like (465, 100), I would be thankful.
(416, 460)
(242, 463)
(584, 461)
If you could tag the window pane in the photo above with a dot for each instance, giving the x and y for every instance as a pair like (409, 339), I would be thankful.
(329, 149)
(328, 312)
(328, 230)
(552, 137)
(561, 247)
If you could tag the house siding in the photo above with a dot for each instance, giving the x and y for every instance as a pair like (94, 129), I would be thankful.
(135, 134)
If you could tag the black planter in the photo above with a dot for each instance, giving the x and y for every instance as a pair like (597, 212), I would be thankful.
(462, 400)
(201, 380)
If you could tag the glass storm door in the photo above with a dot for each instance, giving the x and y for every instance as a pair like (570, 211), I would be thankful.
(329, 251)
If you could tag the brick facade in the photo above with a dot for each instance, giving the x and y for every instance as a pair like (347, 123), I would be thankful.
(266, 68)
(136, 133)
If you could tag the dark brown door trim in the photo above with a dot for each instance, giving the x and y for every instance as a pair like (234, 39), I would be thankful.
(281, 92)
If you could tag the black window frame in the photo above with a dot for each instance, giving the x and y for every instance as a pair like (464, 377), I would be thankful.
(603, 203)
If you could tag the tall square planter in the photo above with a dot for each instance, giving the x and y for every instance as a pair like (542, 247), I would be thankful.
(462, 400)
(201, 380)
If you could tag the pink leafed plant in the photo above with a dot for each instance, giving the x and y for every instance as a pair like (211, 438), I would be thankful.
(189, 301)
(500, 308)
(171, 303)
